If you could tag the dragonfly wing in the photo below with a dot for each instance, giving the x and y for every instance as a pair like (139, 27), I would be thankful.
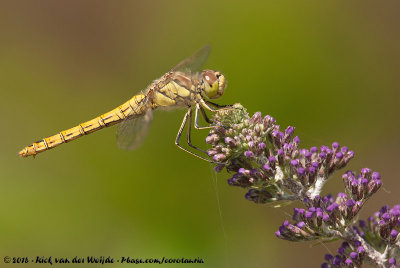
(133, 130)
(195, 62)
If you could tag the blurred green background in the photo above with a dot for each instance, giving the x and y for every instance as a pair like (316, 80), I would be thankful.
(329, 68)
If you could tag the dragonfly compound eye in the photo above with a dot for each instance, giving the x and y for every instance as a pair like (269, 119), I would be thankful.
(214, 84)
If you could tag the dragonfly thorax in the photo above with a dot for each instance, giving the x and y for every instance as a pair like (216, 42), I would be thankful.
(214, 84)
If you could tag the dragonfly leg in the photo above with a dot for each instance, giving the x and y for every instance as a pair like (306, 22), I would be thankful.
(208, 120)
(196, 118)
(216, 105)
(189, 132)
(206, 104)
(178, 137)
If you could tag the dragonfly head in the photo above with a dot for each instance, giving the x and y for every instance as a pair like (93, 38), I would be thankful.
(214, 84)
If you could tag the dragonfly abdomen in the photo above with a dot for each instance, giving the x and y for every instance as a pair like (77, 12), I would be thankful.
(132, 108)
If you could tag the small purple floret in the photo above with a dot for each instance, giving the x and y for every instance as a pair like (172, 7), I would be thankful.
(394, 233)
(228, 140)
(309, 214)
(262, 146)
(348, 261)
(331, 208)
(249, 154)
(289, 130)
(312, 170)
(386, 216)
(376, 176)
(339, 155)
(353, 255)
(335, 145)
(266, 167)
(350, 203)
(336, 260)
(365, 171)
(294, 162)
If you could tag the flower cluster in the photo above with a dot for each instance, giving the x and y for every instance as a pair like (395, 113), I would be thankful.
(326, 216)
(323, 217)
(349, 255)
(385, 223)
(269, 163)
(381, 232)
(364, 185)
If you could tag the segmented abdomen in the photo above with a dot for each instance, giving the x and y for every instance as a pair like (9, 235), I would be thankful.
(133, 107)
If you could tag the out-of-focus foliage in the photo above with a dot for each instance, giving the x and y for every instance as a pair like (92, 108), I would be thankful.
(329, 68)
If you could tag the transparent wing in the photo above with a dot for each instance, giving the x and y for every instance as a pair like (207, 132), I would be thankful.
(133, 130)
(195, 62)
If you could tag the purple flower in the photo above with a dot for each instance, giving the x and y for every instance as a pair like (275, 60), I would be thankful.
(353, 255)
(289, 130)
(394, 233)
(365, 171)
(266, 167)
(309, 214)
(386, 216)
(262, 146)
(335, 145)
(348, 261)
(269, 163)
(336, 260)
(228, 140)
(376, 176)
(332, 207)
(249, 154)
(350, 203)
(219, 157)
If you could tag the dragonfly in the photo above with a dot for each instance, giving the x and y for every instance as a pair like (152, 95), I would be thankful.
(185, 86)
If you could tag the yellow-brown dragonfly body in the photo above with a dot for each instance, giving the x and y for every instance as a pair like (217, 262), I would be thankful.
(183, 86)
